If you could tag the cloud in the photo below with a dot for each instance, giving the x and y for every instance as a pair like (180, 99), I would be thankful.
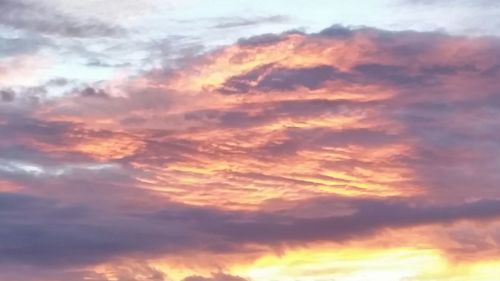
(280, 79)
(260, 40)
(242, 22)
(92, 92)
(83, 241)
(35, 17)
(370, 216)
(373, 106)
(21, 46)
(215, 277)
(7, 95)
(69, 234)
(276, 141)
(121, 271)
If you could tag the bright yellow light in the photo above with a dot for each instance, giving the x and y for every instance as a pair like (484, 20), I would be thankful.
(345, 265)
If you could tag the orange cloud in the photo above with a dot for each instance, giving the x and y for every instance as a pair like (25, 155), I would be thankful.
(380, 145)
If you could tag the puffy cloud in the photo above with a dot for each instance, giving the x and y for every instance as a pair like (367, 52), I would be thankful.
(278, 140)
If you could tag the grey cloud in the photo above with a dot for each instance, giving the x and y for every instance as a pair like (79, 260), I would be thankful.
(402, 76)
(371, 216)
(242, 22)
(100, 63)
(288, 79)
(21, 45)
(337, 31)
(261, 40)
(405, 44)
(392, 73)
(492, 71)
(94, 234)
(58, 82)
(64, 241)
(20, 128)
(34, 17)
(272, 78)
(93, 93)
(447, 69)
(7, 95)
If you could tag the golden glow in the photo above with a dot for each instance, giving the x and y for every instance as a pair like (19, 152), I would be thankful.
(108, 149)
(325, 263)
(346, 265)
(260, 149)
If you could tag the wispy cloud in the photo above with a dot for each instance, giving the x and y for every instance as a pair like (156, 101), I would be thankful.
(35, 17)
(245, 22)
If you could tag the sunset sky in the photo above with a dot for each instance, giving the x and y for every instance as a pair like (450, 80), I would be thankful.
(239, 140)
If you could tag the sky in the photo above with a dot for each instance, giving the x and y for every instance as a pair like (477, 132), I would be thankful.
(168, 140)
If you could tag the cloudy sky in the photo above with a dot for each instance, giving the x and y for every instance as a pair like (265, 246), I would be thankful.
(238, 140)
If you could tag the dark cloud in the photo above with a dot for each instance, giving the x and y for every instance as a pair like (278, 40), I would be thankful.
(337, 31)
(20, 128)
(343, 32)
(242, 22)
(43, 232)
(259, 40)
(370, 216)
(243, 83)
(281, 79)
(392, 73)
(7, 95)
(288, 79)
(447, 69)
(403, 76)
(493, 71)
(269, 78)
(93, 93)
(78, 239)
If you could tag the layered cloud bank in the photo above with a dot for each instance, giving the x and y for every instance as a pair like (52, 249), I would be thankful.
(293, 156)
